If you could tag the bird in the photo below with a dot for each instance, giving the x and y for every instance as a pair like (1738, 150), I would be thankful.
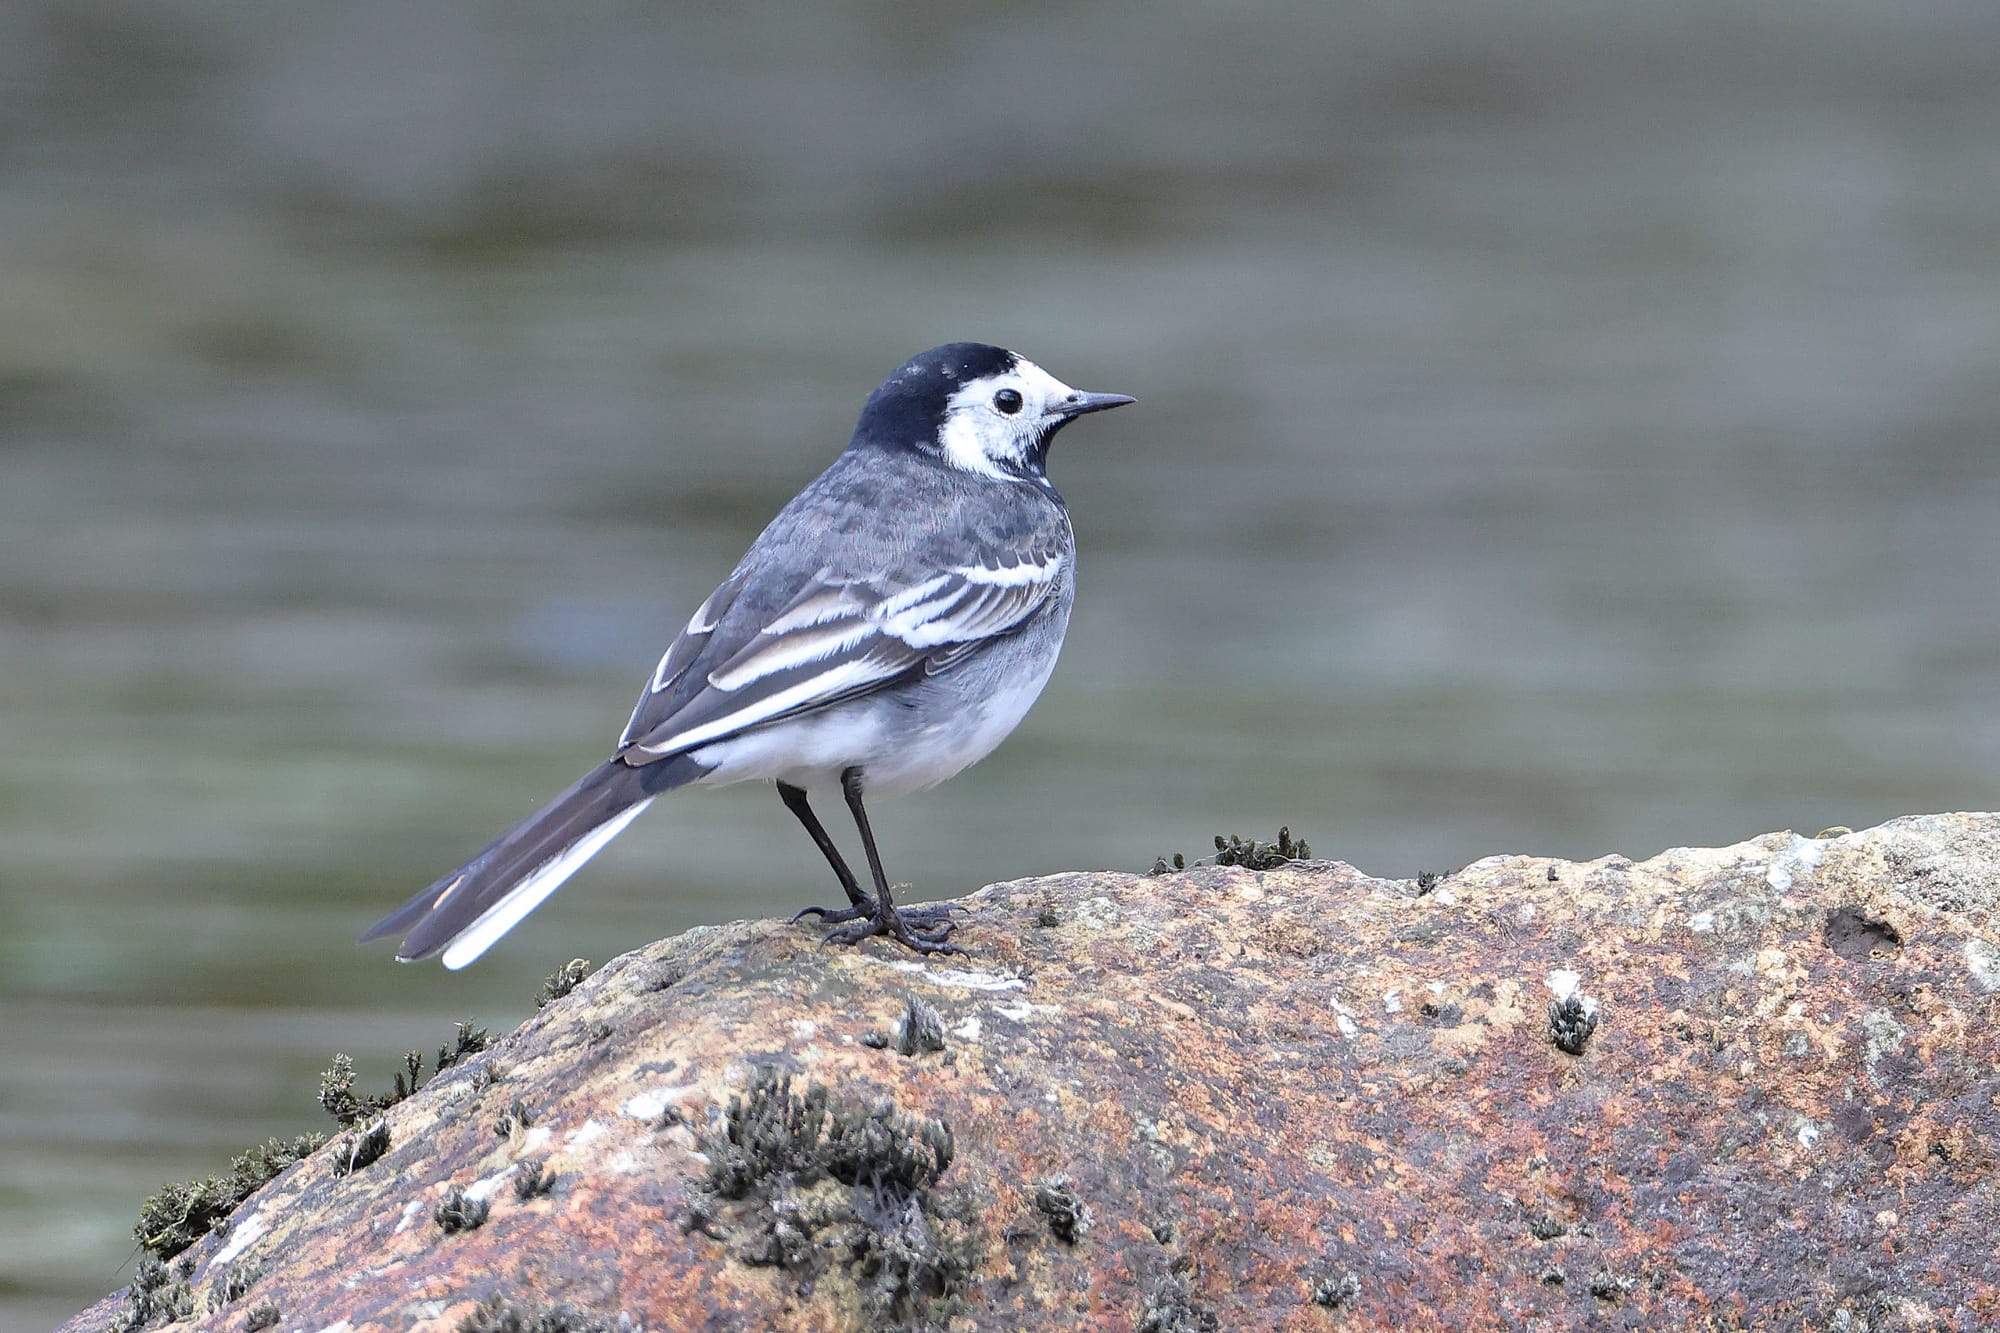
(889, 628)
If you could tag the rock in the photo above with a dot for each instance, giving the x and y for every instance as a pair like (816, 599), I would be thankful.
(1296, 1098)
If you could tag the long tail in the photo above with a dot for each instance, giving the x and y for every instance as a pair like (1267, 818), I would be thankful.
(466, 912)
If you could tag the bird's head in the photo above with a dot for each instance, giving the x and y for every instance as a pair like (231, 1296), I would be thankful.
(982, 409)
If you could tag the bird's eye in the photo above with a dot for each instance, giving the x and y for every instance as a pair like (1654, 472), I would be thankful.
(1008, 401)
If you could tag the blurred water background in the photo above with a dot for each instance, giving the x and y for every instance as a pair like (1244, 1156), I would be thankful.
(1563, 428)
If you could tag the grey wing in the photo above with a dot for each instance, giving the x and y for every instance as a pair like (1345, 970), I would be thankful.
(837, 638)
(681, 655)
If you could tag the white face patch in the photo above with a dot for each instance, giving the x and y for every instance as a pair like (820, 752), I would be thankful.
(980, 436)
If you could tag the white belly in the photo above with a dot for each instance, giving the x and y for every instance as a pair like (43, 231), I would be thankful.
(902, 743)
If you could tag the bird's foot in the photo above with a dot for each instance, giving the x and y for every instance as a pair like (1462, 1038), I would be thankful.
(925, 930)
(833, 916)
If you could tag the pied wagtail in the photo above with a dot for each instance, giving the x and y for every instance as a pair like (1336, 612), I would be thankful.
(890, 627)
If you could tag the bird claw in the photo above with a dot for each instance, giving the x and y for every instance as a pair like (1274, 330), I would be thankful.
(829, 916)
(923, 930)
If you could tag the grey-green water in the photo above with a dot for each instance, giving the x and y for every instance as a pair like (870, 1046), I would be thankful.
(1563, 428)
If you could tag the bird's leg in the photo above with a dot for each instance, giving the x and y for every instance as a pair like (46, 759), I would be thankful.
(859, 903)
(923, 929)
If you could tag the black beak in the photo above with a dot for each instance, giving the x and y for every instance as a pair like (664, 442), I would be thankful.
(1078, 403)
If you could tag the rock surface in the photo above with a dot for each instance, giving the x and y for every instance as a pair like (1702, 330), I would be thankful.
(1225, 1099)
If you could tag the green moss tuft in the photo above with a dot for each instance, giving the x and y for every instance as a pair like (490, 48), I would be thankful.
(562, 981)
(1057, 1201)
(809, 1183)
(1254, 855)
(1172, 1308)
(497, 1314)
(921, 1029)
(336, 1091)
(1250, 854)
(1572, 1020)
(360, 1148)
(182, 1213)
(336, 1085)
(535, 1181)
(459, 1211)
(465, 1043)
(237, 1283)
(774, 1132)
(514, 1121)
(1337, 1290)
(153, 1299)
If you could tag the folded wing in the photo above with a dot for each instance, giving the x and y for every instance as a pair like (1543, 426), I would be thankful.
(837, 638)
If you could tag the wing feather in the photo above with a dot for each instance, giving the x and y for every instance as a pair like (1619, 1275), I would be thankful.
(839, 638)
(685, 648)
(819, 603)
(765, 656)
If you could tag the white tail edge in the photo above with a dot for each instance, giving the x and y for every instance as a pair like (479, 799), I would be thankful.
(525, 897)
